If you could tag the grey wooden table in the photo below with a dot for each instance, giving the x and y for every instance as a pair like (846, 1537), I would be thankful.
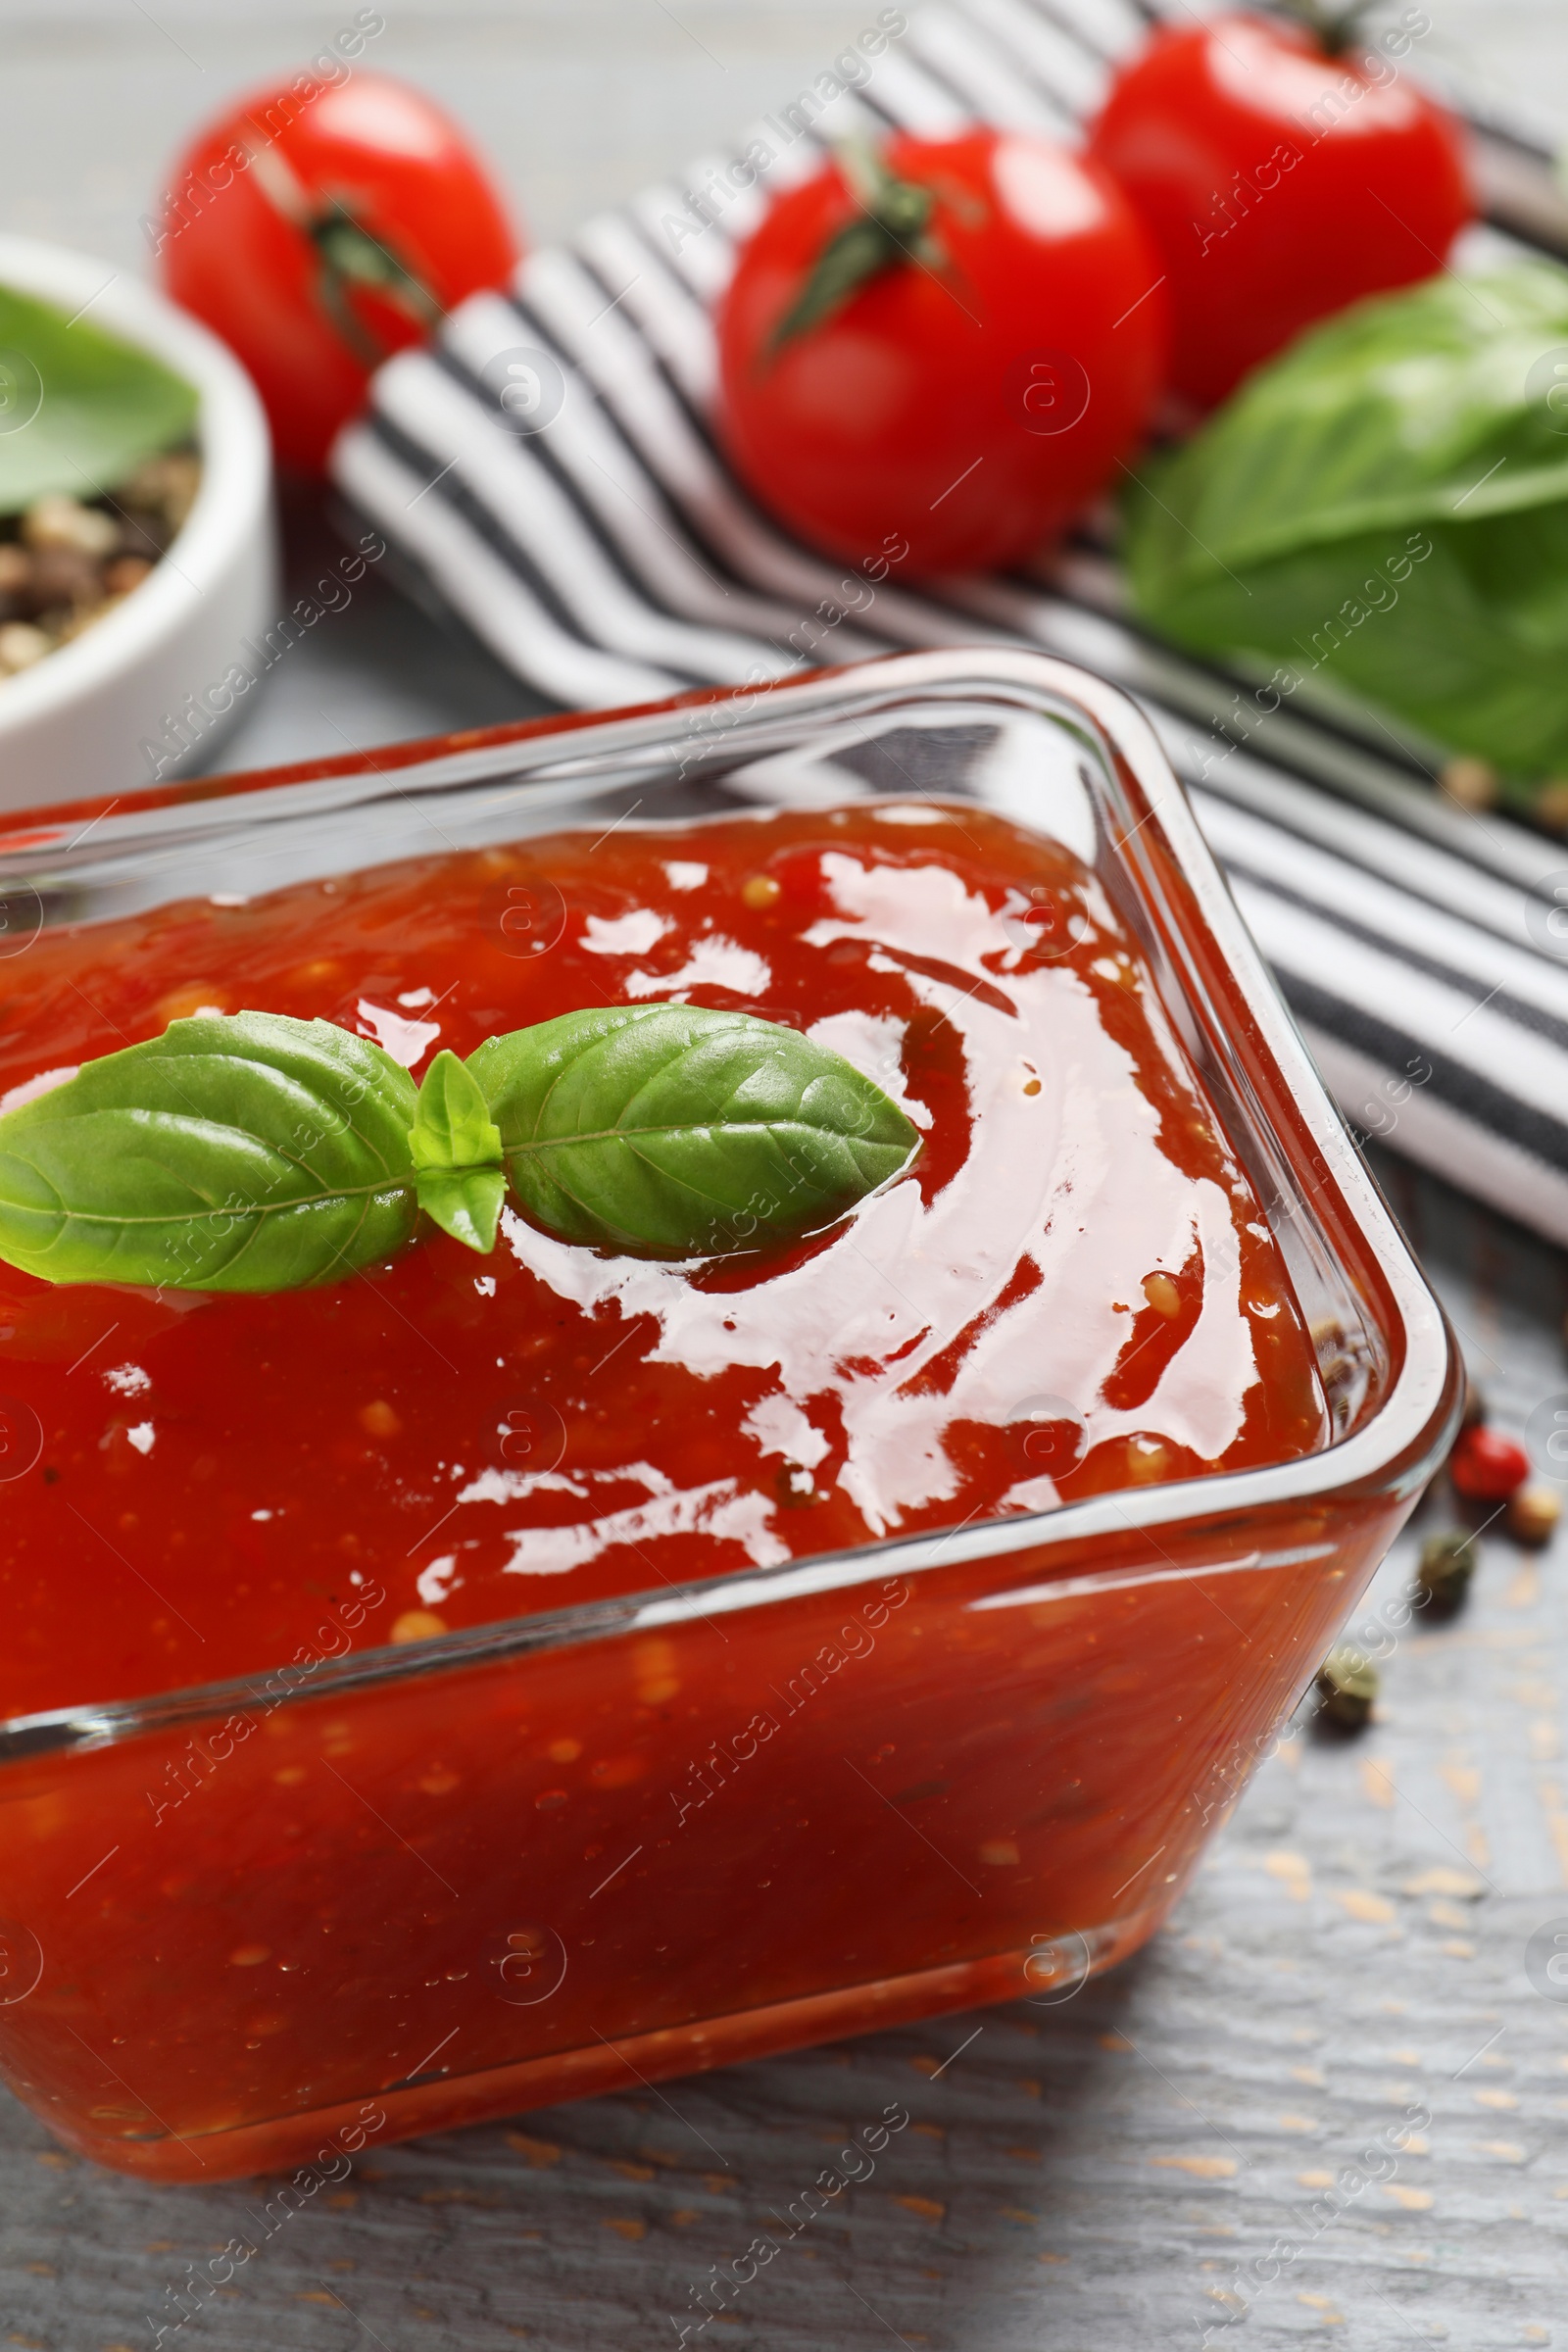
(1181, 2147)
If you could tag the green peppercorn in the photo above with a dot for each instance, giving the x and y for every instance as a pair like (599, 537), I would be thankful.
(1447, 1563)
(1347, 1684)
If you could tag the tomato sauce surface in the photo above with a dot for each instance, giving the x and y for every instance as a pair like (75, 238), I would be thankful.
(1072, 1289)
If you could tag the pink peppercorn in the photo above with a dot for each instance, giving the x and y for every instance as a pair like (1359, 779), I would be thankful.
(1485, 1466)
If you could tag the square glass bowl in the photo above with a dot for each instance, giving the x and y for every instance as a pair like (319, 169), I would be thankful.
(1075, 1697)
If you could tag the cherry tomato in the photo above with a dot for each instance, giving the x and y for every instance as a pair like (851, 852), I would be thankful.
(317, 232)
(1485, 1466)
(936, 355)
(1278, 183)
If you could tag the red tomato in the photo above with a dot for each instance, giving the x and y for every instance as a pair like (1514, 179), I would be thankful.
(1279, 184)
(318, 226)
(972, 388)
(1485, 1466)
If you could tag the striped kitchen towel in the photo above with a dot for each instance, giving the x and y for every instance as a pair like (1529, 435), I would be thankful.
(610, 558)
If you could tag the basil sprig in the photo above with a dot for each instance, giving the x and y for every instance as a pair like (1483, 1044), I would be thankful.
(252, 1152)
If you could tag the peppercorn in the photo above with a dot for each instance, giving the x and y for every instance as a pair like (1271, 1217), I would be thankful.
(57, 520)
(1442, 1579)
(65, 563)
(1347, 1684)
(21, 646)
(1533, 1514)
(144, 534)
(167, 483)
(124, 574)
(1485, 1466)
(1472, 784)
(63, 576)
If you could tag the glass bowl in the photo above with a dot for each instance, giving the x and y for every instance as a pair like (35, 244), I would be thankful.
(245, 1924)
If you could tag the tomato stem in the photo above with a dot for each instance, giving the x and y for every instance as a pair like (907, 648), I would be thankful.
(891, 231)
(1335, 29)
(350, 256)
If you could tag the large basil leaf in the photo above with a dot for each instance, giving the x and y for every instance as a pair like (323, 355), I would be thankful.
(1386, 505)
(79, 408)
(679, 1130)
(457, 1154)
(251, 1152)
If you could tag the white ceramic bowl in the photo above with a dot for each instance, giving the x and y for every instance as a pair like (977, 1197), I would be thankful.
(93, 717)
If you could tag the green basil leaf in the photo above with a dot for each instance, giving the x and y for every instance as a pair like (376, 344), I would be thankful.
(680, 1132)
(79, 408)
(457, 1154)
(451, 1125)
(466, 1202)
(243, 1152)
(1384, 509)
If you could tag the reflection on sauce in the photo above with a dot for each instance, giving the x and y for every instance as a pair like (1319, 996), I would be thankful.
(1073, 1289)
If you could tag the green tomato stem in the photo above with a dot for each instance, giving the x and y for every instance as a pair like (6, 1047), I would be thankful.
(889, 234)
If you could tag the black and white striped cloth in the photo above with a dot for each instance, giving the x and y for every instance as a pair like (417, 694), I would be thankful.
(612, 559)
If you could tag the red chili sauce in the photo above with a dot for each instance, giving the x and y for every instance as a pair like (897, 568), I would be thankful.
(1072, 1289)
